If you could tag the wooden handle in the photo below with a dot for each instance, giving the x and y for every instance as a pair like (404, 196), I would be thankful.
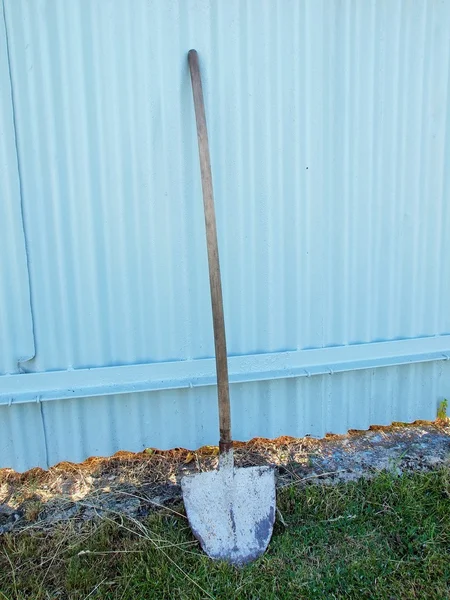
(220, 343)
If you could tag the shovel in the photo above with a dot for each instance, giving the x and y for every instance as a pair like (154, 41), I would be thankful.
(231, 511)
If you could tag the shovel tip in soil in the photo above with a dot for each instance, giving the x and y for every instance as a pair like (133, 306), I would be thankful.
(231, 511)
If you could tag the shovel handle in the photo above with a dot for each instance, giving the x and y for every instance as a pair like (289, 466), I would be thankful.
(220, 343)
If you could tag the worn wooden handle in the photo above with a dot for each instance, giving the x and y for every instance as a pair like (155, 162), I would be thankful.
(220, 343)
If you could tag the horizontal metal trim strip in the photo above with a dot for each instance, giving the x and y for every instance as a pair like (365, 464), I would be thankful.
(101, 381)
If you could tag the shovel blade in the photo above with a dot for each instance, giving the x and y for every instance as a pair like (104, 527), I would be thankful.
(231, 511)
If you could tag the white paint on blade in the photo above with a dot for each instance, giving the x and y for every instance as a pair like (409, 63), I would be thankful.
(226, 460)
(231, 511)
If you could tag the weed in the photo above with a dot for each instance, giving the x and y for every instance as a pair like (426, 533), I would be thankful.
(31, 509)
(442, 410)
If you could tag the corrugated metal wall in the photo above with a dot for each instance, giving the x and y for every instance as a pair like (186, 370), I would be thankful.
(16, 329)
(330, 143)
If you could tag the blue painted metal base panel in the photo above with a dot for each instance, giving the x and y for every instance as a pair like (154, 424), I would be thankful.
(41, 433)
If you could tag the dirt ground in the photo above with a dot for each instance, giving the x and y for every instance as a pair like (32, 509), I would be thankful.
(135, 484)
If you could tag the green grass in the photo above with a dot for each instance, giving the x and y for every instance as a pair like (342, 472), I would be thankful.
(384, 539)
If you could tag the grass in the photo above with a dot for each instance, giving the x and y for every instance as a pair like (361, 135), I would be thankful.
(388, 538)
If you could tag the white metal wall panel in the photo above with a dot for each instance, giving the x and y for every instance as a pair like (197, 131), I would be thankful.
(330, 139)
(16, 328)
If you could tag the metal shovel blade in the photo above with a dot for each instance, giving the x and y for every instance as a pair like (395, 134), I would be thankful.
(231, 511)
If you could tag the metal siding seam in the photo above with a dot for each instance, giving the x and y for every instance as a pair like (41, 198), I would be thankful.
(125, 379)
(44, 431)
(32, 353)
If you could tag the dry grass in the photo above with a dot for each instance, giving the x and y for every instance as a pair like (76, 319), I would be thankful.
(133, 483)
